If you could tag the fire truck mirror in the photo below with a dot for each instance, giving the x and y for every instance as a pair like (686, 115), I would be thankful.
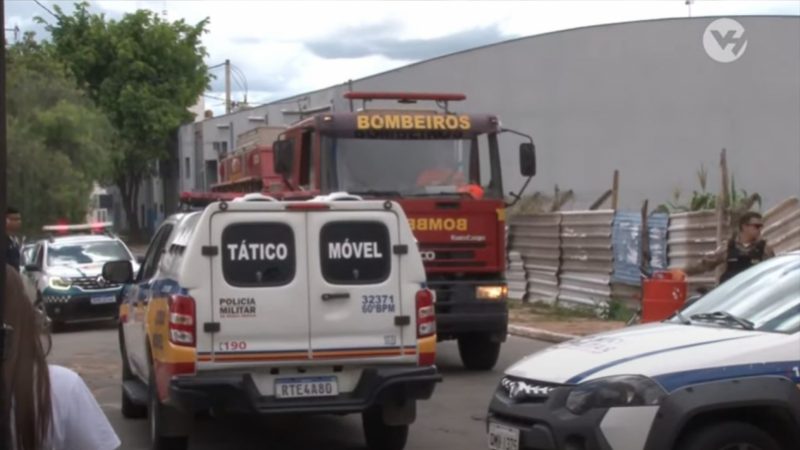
(283, 157)
(527, 159)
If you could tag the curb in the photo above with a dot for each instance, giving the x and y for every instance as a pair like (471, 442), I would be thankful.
(539, 334)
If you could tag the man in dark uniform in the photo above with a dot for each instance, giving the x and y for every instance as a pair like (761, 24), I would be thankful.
(13, 227)
(740, 253)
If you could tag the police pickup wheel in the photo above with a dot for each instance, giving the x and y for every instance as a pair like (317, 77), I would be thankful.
(729, 436)
(478, 351)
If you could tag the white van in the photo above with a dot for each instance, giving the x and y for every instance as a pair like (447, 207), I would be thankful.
(722, 374)
(270, 307)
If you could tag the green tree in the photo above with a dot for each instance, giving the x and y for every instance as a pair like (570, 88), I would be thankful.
(59, 143)
(144, 73)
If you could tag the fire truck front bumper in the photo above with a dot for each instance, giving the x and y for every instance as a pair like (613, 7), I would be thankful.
(460, 312)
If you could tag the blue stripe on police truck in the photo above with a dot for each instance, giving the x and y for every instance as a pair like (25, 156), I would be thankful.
(676, 380)
(581, 376)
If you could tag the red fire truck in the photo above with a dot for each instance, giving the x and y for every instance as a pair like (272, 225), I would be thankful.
(443, 167)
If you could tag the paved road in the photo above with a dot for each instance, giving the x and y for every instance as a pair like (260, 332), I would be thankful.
(453, 419)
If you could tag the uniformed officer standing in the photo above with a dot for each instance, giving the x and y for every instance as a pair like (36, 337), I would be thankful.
(13, 227)
(740, 253)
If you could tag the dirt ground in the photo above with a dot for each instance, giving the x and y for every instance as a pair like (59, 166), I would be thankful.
(560, 322)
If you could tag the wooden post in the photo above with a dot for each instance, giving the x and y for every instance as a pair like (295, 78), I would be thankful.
(644, 264)
(615, 191)
(723, 200)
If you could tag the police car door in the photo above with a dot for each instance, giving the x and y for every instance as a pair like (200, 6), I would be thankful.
(259, 287)
(355, 285)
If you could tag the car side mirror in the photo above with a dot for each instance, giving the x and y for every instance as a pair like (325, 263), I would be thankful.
(120, 272)
(32, 268)
(527, 159)
(282, 157)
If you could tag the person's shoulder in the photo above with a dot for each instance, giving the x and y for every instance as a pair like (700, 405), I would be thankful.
(63, 377)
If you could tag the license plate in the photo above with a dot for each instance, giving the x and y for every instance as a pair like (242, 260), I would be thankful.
(104, 300)
(502, 437)
(306, 387)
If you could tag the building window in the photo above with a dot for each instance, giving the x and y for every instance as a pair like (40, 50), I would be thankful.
(220, 147)
(188, 164)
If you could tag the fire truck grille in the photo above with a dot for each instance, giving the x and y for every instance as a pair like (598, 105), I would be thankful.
(451, 255)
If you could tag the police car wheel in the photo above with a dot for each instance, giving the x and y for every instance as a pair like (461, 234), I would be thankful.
(380, 436)
(729, 436)
(478, 351)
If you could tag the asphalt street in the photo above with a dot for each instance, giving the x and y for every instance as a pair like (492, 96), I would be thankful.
(452, 419)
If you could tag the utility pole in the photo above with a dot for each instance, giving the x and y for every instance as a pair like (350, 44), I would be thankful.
(227, 86)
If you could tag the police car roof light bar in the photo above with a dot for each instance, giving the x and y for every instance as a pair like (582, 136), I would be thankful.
(98, 226)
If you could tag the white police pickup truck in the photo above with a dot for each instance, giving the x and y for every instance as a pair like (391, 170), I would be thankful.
(268, 307)
(722, 374)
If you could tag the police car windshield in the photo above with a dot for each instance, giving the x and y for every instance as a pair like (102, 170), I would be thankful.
(85, 253)
(403, 167)
(767, 295)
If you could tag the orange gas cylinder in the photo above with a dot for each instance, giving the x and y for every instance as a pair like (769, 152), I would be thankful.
(662, 295)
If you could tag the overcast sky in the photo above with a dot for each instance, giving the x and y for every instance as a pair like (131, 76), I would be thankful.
(284, 48)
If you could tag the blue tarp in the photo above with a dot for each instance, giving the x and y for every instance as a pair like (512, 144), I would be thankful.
(627, 245)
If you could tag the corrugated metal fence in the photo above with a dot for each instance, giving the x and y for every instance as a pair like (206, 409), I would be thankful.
(782, 226)
(588, 258)
(535, 243)
(691, 235)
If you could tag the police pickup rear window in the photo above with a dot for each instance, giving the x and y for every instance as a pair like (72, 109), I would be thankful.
(258, 254)
(355, 252)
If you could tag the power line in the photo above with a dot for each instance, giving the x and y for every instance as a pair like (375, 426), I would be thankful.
(213, 97)
(45, 8)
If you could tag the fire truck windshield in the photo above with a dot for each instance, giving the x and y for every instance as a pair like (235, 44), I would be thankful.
(406, 167)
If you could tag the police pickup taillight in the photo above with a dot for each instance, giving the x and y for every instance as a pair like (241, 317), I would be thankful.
(426, 326)
(182, 330)
(426, 316)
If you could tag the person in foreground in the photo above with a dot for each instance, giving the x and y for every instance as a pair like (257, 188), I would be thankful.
(48, 407)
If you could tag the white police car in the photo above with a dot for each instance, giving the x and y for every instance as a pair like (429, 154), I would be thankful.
(722, 374)
(66, 270)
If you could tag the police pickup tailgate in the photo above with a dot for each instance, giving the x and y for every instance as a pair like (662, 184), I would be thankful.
(311, 287)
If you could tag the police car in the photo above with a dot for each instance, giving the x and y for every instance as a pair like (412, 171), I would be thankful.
(65, 270)
(267, 307)
(721, 374)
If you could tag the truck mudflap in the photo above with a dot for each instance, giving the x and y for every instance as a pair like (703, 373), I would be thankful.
(460, 312)
(237, 393)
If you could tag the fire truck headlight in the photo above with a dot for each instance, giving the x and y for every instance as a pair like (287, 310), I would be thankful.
(491, 292)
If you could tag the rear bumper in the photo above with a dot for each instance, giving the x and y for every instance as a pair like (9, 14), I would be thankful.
(239, 394)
